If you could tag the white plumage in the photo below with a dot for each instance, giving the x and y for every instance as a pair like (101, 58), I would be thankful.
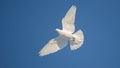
(68, 20)
(66, 34)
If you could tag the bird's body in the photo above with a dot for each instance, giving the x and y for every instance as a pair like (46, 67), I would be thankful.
(66, 34)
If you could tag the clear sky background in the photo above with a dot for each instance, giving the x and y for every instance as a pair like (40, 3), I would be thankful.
(27, 25)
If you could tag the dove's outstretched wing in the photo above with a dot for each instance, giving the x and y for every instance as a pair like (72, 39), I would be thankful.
(69, 19)
(54, 45)
(78, 40)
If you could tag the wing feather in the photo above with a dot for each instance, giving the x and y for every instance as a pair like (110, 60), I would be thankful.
(54, 45)
(69, 19)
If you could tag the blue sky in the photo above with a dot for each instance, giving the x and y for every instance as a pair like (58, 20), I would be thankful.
(27, 25)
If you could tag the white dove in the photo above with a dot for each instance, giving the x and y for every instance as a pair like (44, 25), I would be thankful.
(66, 34)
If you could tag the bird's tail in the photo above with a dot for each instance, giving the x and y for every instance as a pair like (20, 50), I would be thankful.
(78, 40)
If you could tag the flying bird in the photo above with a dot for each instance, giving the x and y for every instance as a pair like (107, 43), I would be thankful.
(67, 33)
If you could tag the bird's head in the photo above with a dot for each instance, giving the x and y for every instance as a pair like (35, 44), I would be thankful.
(59, 31)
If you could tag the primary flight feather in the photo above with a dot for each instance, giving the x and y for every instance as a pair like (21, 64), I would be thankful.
(66, 34)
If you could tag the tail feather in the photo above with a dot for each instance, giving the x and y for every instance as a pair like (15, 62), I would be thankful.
(79, 39)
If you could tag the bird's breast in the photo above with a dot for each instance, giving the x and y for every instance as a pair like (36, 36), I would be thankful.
(66, 34)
